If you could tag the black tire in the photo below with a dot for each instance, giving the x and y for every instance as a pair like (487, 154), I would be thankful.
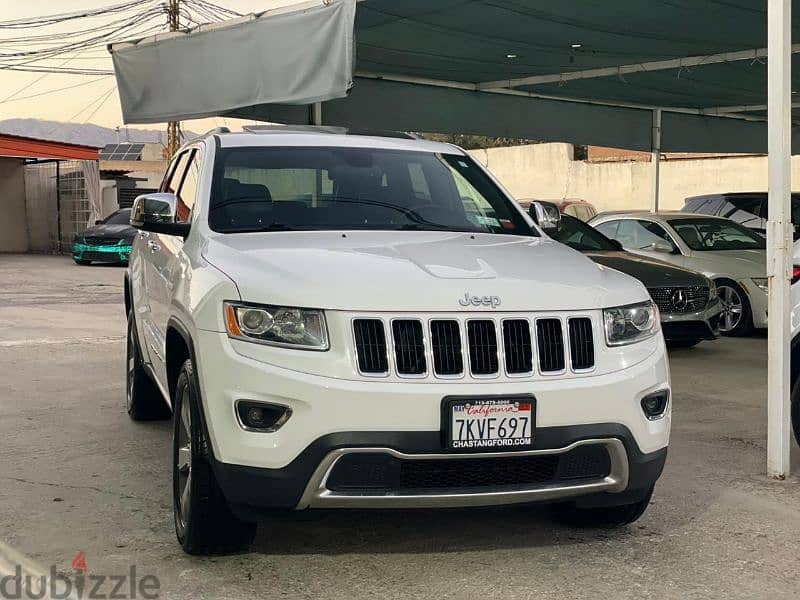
(796, 409)
(81, 262)
(143, 399)
(204, 524)
(745, 324)
(606, 516)
(682, 344)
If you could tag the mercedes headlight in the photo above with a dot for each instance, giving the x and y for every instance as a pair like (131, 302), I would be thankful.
(762, 283)
(301, 328)
(632, 323)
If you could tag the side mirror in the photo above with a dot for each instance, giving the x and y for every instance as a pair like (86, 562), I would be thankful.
(158, 213)
(546, 215)
(661, 247)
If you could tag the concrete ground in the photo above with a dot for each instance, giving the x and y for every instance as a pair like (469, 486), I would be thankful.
(77, 475)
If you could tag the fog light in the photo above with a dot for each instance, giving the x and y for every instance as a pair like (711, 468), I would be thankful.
(261, 416)
(655, 405)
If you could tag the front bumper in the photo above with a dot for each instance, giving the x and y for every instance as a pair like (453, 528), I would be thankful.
(693, 326)
(110, 253)
(304, 482)
(333, 417)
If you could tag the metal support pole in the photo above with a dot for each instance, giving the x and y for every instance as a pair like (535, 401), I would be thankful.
(58, 204)
(655, 143)
(173, 127)
(315, 113)
(779, 237)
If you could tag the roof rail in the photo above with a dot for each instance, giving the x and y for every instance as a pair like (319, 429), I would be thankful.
(330, 129)
(217, 130)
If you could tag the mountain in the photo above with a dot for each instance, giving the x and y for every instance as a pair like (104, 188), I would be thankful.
(86, 134)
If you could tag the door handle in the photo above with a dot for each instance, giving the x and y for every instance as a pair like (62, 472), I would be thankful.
(154, 247)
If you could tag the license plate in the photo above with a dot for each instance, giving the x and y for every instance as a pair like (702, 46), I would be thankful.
(490, 423)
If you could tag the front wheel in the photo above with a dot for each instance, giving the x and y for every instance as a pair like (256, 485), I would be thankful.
(736, 318)
(604, 516)
(204, 524)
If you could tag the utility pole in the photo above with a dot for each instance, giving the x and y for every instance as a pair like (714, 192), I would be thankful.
(173, 127)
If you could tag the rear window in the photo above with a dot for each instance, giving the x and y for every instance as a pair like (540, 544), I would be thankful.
(268, 189)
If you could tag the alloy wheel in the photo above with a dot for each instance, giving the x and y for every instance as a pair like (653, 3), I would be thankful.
(184, 461)
(732, 308)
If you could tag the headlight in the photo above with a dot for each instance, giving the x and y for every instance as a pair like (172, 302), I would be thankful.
(712, 289)
(762, 283)
(290, 327)
(632, 323)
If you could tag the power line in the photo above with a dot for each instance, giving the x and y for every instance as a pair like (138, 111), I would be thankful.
(62, 17)
(69, 87)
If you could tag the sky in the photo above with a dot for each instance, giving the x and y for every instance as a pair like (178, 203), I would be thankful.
(93, 99)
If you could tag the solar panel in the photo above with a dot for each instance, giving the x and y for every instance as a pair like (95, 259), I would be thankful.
(122, 152)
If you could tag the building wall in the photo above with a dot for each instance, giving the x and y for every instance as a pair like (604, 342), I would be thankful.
(13, 224)
(547, 172)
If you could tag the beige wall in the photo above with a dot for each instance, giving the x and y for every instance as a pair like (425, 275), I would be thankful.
(13, 220)
(547, 172)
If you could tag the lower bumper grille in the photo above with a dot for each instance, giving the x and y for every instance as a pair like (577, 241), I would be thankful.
(102, 256)
(379, 472)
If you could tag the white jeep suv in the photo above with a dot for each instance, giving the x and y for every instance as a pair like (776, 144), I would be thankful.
(353, 321)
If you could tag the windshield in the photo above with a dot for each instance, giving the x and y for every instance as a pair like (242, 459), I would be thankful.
(274, 189)
(580, 236)
(121, 217)
(717, 234)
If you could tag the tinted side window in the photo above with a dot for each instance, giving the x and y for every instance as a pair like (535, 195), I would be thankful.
(638, 235)
(187, 193)
(175, 172)
(745, 210)
(608, 229)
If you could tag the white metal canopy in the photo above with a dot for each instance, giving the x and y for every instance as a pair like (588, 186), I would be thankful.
(651, 75)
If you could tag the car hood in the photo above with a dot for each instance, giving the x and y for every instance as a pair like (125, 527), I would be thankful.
(415, 271)
(651, 272)
(730, 263)
(117, 231)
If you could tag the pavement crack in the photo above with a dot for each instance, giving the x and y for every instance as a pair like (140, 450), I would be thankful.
(74, 487)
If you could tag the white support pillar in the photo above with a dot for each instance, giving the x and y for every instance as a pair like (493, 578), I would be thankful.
(655, 143)
(779, 237)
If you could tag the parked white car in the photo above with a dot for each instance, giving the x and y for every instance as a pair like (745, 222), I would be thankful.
(795, 358)
(346, 321)
(733, 256)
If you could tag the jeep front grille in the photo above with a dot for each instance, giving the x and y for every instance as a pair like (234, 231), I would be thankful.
(477, 347)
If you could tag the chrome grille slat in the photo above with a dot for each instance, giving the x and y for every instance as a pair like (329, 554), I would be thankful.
(482, 341)
(581, 344)
(409, 347)
(446, 347)
(517, 346)
(550, 337)
(370, 338)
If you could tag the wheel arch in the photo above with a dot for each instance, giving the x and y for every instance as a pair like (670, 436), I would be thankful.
(179, 347)
(127, 292)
